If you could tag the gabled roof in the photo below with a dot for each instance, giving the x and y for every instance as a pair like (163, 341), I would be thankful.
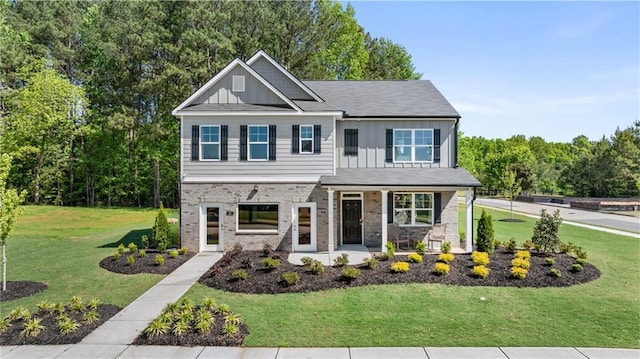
(384, 98)
(261, 54)
(224, 72)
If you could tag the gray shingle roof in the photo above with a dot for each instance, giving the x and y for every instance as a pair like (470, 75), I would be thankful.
(444, 177)
(402, 98)
(230, 107)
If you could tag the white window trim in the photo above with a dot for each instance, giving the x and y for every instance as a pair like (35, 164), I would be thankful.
(237, 83)
(413, 209)
(256, 143)
(256, 231)
(301, 151)
(210, 143)
(413, 144)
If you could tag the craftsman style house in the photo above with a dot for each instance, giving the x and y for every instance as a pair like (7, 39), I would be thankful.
(312, 165)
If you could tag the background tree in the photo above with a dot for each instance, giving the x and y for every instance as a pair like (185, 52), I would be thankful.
(10, 201)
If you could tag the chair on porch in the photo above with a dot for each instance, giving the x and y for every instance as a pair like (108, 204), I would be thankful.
(393, 234)
(436, 235)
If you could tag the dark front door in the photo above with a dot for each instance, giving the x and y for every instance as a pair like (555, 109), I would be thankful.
(351, 221)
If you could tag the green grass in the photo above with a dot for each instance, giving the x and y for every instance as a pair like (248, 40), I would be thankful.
(61, 247)
(602, 313)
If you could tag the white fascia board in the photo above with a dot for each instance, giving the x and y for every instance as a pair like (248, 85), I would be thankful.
(254, 113)
(224, 72)
(300, 84)
(394, 188)
(248, 179)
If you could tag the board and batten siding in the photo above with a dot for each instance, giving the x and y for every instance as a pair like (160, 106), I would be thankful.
(310, 166)
(255, 92)
(372, 141)
(289, 88)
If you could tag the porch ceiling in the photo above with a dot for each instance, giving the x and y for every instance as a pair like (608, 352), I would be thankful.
(401, 177)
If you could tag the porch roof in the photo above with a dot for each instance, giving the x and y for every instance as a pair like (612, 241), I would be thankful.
(401, 177)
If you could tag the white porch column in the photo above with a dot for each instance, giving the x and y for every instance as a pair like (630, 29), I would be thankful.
(384, 216)
(331, 221)
(469, 230)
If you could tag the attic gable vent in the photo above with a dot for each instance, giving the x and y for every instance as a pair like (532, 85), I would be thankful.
(238, 84)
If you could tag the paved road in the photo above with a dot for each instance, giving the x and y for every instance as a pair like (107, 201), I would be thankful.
(614, 221)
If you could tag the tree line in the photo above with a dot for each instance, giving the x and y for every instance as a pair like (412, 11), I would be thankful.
(608, 167)
(87, 87)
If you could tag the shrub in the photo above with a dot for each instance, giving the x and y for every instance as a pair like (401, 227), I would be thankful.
(391, 249)
(45, 306)
(415, 258)
(173, 254)
(290, 278)
(130, 260)
(565, 247)
(91, 316)
(235, 319)
(580, 253)
(555, 272)
(132, 247)
(160, 238)
(371, 262)
(446, 247)
(230, 330)
(510, 245)
(267, 250)
(145, 241)
(183, 251)
(463, 236)
(76, 304)
(400, 267)
(180, 327)
(32, 328)
(117, 255)
(518, 272)
(528, 245)
(521, 263)
(480, 271)
(446, 258)
(239, 274)
(19, 313)
(581, 261)
(421, 248)
(316, 267)
(350, 273)
(142, 253)
(223, 309)
(485, 236)
(341, 260)
(480, 258)
(441, 268)
(173, 239)
(549, 261)
(121, 248)
(159, 259)
(523, 254)
(209, 303)
(306, 261)
(385, 256)
(157, 327)
(577, 267)
(271, 263)
(68, 326)
(4, 325)
(497, 244)
(545, 232)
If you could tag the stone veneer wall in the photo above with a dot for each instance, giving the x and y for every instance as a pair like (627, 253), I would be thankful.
(230, 195)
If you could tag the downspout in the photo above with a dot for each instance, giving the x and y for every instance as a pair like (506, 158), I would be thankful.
(455, 143)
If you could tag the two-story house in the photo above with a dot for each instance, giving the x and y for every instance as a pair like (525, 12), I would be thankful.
(312, 165)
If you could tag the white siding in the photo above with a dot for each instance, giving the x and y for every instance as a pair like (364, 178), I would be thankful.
(310, 166)
(372, 141)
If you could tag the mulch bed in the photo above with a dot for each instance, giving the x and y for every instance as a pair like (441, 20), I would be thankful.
(263, 281)
(20, 289)
(51, 335)
(144, 264)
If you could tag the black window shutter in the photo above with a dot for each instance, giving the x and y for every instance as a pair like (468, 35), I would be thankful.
(195, 143)
(272, 142)
(389, 148)
(295, 139)
(224, 143)
(389, 207)
(350, 141)
(317, 137)
(436, 145)
(437, 207)
(243, 142)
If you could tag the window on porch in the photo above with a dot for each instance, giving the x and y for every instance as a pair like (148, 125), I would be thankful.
(413, 209)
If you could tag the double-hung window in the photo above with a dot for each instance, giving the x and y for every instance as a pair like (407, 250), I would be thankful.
(210, 143)
(306, 139)
(258, 143)
(413, 209)
(412, 145)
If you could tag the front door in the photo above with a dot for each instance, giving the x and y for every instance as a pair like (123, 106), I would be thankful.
(351, 221)
(211, 226)
(304, 227)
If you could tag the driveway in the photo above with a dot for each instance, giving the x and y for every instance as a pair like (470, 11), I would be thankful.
(614, 221)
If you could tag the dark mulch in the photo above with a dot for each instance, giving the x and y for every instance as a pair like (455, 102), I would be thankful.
(261, 280)
(513, 220)
(20, 289)
(51, 335)
(144, 264)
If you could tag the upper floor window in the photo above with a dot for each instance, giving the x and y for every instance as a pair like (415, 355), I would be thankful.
(413, 209)
(413, 145)
(258, 143)
(210, 143)
(350, 141)
(306, 139)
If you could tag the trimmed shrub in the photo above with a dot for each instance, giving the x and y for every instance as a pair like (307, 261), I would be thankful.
(142, 253)
(183, 250)
(316, 267)
(130, 260)
(520, 263)
(446, 257)
(341, 260)
(415, 258)
(121, 248)
(159, 259)
(485, 238)
(528, 245)
(549, 261)
(271, 263)
(421, 248)
(518, 272)
(545, 232)
(117, 255)
(581, 261)
(371, 262)
(577, 267)
(173, 254)
(290, 278)
(555, 273)
(160, 238)
(350, 273)
(441, 268)
(306, 261)
(132, 247)
(510, 245)
(400, 267)
(523, 254)
(239, 274)
(480, 258)
(446, 247)
(391, 249)
(480, 271)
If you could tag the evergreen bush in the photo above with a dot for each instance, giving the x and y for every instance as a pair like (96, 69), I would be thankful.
(485, 233)
(545, 232)
(160, 239)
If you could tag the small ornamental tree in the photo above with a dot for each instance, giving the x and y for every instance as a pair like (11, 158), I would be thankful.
(9, 210)
(485, 233)
(545, 232)
(510, 187)
(160, 238)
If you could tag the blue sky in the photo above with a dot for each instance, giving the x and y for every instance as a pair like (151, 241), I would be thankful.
(550, 69)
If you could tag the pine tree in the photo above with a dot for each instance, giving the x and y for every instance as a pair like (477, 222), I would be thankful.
(485, 233)
(161, 230)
